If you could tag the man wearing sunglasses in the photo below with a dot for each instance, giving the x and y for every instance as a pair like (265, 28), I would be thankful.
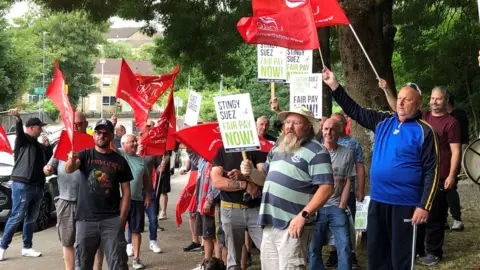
(101, 212)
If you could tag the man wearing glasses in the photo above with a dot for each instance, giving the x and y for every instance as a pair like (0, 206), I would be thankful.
(101, 212)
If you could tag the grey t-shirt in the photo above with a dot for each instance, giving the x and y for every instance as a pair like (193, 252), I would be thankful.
(67, 183)
(138, 168)
(343, 165)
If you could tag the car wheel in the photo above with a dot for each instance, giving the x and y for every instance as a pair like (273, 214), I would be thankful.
(43, 214)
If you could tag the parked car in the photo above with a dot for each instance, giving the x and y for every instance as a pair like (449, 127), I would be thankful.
(50, 192)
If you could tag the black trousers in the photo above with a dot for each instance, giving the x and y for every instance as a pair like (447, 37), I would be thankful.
(390, 236)
(453, 200)
(433, 233)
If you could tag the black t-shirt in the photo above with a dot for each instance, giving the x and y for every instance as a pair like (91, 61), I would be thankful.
(99, 195)
(462, 119)
(230, 161)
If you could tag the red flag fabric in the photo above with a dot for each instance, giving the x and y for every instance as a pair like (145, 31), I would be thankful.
(265, 145)
(186, 197)
(328, 13)
(4, 143)
(292, 27)
(56, 92)
(161, 138)
(128, 90)
(152, 87)
(64, 146)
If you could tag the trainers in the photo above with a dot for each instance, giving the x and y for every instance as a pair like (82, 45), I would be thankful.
(332, 260)
(30, 252)
(457, 226)
(154, 247)
(192, 247)
(430, 260)
(355, 264)
(129, 250)
(162, 215)
(2, 253)
(137, 264)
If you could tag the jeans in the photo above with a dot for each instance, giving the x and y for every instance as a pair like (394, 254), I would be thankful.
(152, 221)
(336, 220)
(26, 200)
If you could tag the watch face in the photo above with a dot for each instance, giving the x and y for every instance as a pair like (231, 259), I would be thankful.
(305, 214)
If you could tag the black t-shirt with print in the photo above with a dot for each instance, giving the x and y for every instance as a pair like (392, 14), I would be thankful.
(230, 161)
(99, 195)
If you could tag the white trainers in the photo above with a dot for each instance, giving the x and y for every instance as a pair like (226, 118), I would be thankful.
(154, 247)
(162, 215)
(457, 226)
(2, 252)
(30, 252)
(129, 250)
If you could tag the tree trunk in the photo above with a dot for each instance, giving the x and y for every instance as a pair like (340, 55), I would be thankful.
(472, 107)
(368, 19)
(324, 38)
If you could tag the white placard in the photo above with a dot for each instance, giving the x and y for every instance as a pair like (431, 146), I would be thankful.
(361, 216)
(299, 62)
(272, 63)
(306, 90)
(193, 108)
(237, 124)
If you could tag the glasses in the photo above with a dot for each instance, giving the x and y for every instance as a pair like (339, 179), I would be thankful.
(294, 123)
(104, 133)
(77, 124)
(414, 86)
(149, 126)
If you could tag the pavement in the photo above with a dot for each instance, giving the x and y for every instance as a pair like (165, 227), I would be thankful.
(172, 241)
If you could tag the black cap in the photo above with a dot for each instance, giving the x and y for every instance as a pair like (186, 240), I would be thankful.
(104, 123)
(34, 122)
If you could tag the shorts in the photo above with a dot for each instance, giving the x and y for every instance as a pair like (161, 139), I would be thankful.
(205, 225)
(66, 222)
(136, 216)
(164, 181)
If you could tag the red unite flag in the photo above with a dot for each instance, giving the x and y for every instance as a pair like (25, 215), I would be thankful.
(64, 146)
(4, 143)
(56, 92)
(152, 87)
(292, 27)
(185, 198)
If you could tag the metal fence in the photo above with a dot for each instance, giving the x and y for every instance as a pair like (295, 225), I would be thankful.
(8, 122)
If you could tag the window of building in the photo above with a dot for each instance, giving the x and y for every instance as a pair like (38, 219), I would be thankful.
(109, 101)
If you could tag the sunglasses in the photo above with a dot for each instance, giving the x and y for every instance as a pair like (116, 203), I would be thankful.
(414, 86)
(104, 133)
(149, 126)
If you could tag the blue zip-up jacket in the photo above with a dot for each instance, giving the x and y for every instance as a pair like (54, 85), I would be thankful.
(405, 159)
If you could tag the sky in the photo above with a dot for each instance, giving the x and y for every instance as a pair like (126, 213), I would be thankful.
(20, 8)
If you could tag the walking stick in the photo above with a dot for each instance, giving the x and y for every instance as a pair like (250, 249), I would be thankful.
(414, 242)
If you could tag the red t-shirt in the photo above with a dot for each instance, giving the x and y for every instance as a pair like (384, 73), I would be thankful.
(448, 131)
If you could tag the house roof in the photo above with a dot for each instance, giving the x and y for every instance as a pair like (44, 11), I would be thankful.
(112, 67)
(124, 32)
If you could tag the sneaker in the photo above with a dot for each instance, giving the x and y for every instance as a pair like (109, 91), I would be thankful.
(2, 253)
(30, 252)
(154, 247)
(457, 226)
(137, 264)
(332, 260)
(355, 264)
(430, 260)
(249, 259)
(129, 250)
(192, 247)
(162, 215)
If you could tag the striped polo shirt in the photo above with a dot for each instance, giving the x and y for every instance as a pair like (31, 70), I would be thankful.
(292, 179)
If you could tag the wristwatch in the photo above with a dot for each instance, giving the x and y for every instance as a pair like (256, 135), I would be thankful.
(305, 215)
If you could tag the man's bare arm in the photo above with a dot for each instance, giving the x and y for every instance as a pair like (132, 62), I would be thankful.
(360, 168)
(324, 192)
(73, 163)
(225, 184)
(391, 99)
(257, 176)
(345, 194)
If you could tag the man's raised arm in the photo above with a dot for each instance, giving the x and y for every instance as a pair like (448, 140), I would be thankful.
(73, 163)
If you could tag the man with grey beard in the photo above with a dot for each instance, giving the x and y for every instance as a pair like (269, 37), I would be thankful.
(298, 181)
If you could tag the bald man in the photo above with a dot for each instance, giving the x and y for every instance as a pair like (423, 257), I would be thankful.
(67, 203)
(403, 175)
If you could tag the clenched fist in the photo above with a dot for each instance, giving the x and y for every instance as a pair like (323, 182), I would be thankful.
(246, 168)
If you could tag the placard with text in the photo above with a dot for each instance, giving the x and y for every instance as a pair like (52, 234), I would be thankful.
(306, 90)
(272, 63)
(299, 62)
(193, 108)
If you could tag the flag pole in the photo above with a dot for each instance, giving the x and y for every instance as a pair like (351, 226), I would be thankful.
(365, 52)
(321, 57)
(272, 90)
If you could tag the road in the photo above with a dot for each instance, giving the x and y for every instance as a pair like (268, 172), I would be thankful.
(172, 240)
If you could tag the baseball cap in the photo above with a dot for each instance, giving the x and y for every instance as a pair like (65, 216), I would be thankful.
(104, 123)
(34, 122)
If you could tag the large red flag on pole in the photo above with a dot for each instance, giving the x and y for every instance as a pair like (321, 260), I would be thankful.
(56, 92)
(152, 87)
(4, 143)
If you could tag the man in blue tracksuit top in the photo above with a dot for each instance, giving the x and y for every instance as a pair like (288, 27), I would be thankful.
(403, 175)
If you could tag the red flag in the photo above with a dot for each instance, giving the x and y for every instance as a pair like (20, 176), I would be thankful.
(186, 197)
(327, 13)
(162, 137)
(4, 143)
(292, 27)
(128, 90)
(152, 87)
(64, 146)
(56, 92)
(265, 145)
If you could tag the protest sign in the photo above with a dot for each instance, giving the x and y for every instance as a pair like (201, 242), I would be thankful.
(237, 124)
(306, 90)
(193, 108)
(272, 64)
(361, 215)
(299, 62)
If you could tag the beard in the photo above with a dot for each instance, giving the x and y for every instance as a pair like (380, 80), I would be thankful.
(102, 143)
(289, 143)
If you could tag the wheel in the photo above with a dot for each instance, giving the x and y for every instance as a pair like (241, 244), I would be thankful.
(43, 214)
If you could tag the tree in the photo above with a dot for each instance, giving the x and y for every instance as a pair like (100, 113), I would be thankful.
(117, 50)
